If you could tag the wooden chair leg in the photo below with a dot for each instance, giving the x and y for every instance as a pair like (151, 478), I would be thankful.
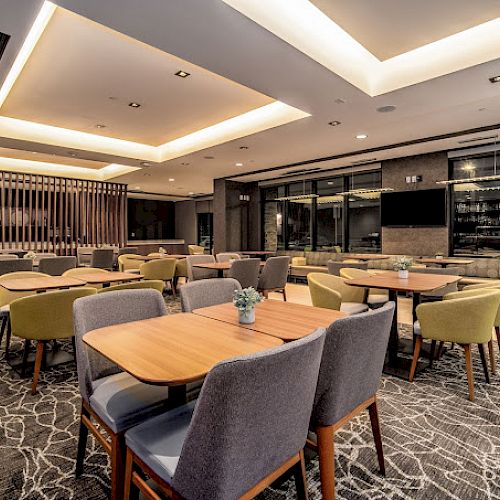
(3, 328)
(497, 331)
(484, 363)
(118, 450)
(416, 354)
(38, 364)
(82, 443)
(284, 294)
(377, 436)
(326, 455)
(299, 472)
(491, 350)
(172, 286)
(440, 350)
(130, 489)
(432, 353)
(470, 375)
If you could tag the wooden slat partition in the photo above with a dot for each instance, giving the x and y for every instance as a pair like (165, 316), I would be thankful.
(55, 214)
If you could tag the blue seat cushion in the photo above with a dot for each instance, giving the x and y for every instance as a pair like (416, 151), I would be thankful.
(122, 401)
(158, 442)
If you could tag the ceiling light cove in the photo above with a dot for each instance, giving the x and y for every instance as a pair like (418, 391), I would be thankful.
(308, 29)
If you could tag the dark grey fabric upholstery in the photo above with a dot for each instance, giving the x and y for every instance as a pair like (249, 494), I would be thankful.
(209, 292)
(439, 293)
(335, 267)
(13, 265)
(8, 257)
(275, 273)
(102, 258)
(128, 250)
(352, 362)
(252, 415)
(246, 271)
(195, 273)
(56, 266)
(107, 309)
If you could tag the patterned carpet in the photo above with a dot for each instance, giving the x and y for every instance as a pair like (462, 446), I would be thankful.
(437, 444)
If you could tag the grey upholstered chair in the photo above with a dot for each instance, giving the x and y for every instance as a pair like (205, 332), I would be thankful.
(227, 256)
(439, 293)
(349, 377)
(8, 256)
(102, 258)
(56, 266)
(84, 255)
(128, 250)
(246, 271)
(195, 273)
(274, 275)
(334, 267)
(230, 443)
(209, 292)
(41, 256)
(14, 265)
(112, 398)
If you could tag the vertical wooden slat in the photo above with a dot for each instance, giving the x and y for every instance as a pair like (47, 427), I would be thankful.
(30, 210)
(16, 209)
(61, 218)
(37, 214)
(2, 207)
(9, 206)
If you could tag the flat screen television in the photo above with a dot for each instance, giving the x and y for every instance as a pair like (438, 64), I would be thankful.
(422, 208)
(150, 219)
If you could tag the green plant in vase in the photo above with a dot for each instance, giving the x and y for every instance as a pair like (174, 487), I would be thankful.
(245, 301)
(402, 264)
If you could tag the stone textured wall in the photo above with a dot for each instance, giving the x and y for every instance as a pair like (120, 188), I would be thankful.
(270, 227)
(421, 240)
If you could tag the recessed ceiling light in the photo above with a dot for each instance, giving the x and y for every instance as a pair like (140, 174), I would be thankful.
(145, 164)
(100, 125)
(209, 157)
(146, 175)
(185, 163)
(239, 164)
(386, 109)
(339, 100)
(171, 180)
(495, 79)
(330, 183)
(361, 136)
(134, 105)
(182, 74)
(243, 147)
(334, 123)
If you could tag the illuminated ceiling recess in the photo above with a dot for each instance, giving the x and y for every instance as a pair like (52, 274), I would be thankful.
(308, 29)
(256, 120)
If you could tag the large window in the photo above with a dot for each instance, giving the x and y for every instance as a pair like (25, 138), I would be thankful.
(330, 226)
(299, 217)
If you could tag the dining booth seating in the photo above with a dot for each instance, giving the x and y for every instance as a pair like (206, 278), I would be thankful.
(274, 276)
(102, 258)
(246, 272)
(349, 377)
(15, 265)
(196, 273)
(43, 317)
(113, 400)
(230, 443)
(56, 266)
(335, 267)
(206, 293)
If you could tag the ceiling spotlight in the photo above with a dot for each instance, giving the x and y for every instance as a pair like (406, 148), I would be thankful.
(340, 101)
(134, 105)
(243, 147)
(185, 163)
(171, 180)
(361, 136)
(386, 109)
(100, 125)
(209, 157)
(182, 74)
(145, 164)
(495, 79)
(239, 164)
(334, 123)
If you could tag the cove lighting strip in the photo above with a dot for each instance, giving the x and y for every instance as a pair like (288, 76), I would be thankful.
(471, 180)
(365, 191)
(297, 197)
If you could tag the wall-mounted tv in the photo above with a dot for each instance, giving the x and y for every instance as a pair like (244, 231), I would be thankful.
(422, 208)
(150, 219)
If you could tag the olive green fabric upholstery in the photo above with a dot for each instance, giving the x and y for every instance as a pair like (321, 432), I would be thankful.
(46, 316)
(128, 265)
(154, 284)
(77, 271)
(196, 250)
(376, 296)
(6, 296)
(473, 293)
(161, 269)
(480, 286)
(181, 268)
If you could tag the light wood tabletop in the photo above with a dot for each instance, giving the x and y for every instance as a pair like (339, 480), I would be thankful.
(219, 266)
(41, 284)
(366, 256)
(147, 258)
(445, 261)
(110, 277)
(276, 318)
(175, 349)
(256, 252)
(415, 282)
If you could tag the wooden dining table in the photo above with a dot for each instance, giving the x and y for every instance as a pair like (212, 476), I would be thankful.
(284, 320)
(445, 261)
(106, 279)
(415, 284)
(176, 349)
(147, 258)
(220, 267)
(40, 284)
(366, 256)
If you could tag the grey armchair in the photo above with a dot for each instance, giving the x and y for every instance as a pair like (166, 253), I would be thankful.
(195, 273)
(14, 265)
(349, 376)
(113, 399)
(205, 293)
(246, 271)
(334, 267)
(56, 266)
(231, 444)
(102, 258)
(274, 276)
(128, 250)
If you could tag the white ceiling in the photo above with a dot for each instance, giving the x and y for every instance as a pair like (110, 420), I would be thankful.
(210, 34)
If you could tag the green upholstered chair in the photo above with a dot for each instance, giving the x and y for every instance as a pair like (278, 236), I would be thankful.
(43, 317)
(376, 296)
(196, 250)
(331, 292)
(128, 265)
(464, 320)
(154, 284)
(181, 270)
(161, 269)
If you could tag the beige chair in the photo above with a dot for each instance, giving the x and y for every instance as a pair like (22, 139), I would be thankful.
(161, 269)
(376, 296)
(196, 250)
(227, 256)
(128, 265)
(331, 292)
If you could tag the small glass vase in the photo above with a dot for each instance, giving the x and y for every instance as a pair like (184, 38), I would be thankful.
(247, 318)
(403, 274)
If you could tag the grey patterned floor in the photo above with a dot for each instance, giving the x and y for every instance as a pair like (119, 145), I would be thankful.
(437, 444)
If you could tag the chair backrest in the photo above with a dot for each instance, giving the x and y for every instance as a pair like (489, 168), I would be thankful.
(41, 256)
(198, 273)
(440, 292)
(196, 250)
(209, 292)
(158, 285)
(77, 271)
(246, 271)
(6, 296)
(84, 255)
(335, 267)
(56, 266)
(329, 291)
(475, 292)
(227, 256)
(352, 362)
(351, 273)
(103, 310)
(102, 258)
(161, 269)
(14, 265)
(8, 256)
(124, 263)
(46, 316)
(275, 273)
(128, 250)
(264, 401)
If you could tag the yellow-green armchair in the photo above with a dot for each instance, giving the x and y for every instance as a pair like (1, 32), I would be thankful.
(461, 319)
(376, 297)
(155, 284)
(161, 269)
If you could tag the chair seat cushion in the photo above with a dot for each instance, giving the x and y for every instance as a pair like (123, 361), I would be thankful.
(377, 299)
(122, 401)
(353, 307)
(158, 442)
